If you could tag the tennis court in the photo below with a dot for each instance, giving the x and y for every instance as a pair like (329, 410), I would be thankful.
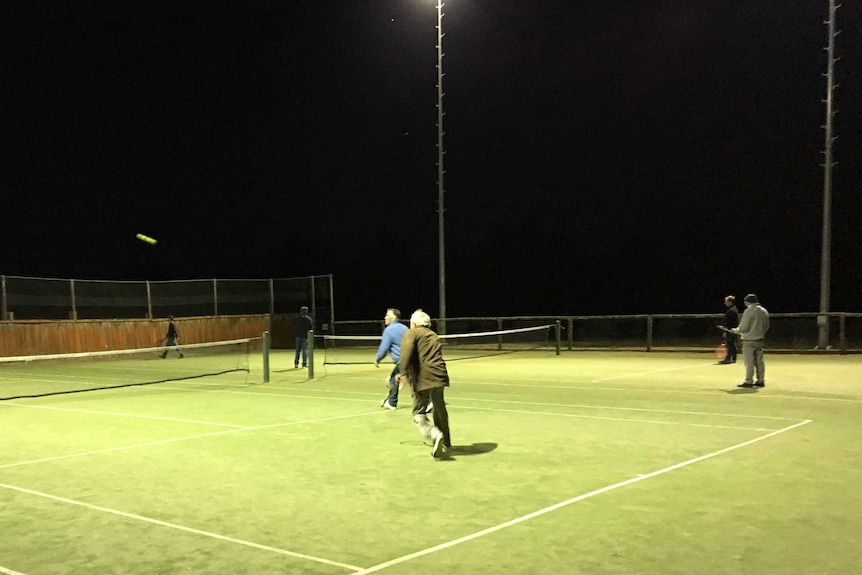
(586, 462)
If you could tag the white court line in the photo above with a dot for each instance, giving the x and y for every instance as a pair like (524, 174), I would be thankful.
(501, 526)
(637, 374)
(181, 527)
(9, 571)
(458, 399)
(630, 409)
(114, 413)
(541, 386)
(612, 418)
(186, 438)
(654, 390)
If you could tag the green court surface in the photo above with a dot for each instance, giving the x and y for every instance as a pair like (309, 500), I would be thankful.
(587, 462)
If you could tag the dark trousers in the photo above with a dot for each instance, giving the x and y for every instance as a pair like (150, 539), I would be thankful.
(392, 398)
(730, 344)
(441, 416)
(172, 342)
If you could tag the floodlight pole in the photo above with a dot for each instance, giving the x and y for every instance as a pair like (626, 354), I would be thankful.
(441, 244)
(825, 252)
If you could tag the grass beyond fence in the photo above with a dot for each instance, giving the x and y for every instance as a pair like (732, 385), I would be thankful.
(580, 463)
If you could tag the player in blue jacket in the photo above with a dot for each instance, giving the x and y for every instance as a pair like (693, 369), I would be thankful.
(390, 343)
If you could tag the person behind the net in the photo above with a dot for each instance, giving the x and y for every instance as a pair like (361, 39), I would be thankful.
(423, 367)
(752, 328)
(172, 338)
(390, 343)
(301, 326)
(731, 320)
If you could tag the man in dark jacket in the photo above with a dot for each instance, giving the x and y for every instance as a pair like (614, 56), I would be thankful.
(172, 338)
(422, 365)
(302, 324)
(731, 320)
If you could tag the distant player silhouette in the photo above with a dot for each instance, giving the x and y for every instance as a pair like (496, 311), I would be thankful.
(172, 339)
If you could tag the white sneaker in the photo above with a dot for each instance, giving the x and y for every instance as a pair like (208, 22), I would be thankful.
(387, 405)
(437, 450)
(429, 408)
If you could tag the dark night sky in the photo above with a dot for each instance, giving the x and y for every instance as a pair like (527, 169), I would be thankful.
(602, 157)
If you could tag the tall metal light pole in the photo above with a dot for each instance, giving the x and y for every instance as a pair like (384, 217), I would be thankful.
(825, 252)
(441, 241)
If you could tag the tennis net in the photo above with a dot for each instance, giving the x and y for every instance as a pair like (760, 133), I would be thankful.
(41, 375)
(361, 349)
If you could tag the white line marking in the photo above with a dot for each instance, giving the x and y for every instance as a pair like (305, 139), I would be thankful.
(186, 438)
(610, 418)
(9, 571)
(630, 409)
(556, 506)
(460, 398)
(113, 413)
(638, 374)
(654, 390)
(181, 527)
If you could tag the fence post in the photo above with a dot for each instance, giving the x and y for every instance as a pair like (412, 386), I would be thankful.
(4, 310)
(149, 301)
(842, 341)
(215, 297)
(266, 346)
(313, 298)
(558, 329)
(500, 337)
(649, 333)
(331, 306)
(74, 314)
(570, 323)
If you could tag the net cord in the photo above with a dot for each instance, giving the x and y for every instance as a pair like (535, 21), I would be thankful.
(444, 337)
(93, 354)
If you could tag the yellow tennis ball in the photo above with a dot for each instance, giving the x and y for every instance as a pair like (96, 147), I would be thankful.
(147, 239)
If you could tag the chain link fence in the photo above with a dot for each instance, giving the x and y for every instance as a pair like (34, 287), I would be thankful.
(28, 298)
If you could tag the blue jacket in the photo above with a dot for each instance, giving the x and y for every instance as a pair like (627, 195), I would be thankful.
(391, 342)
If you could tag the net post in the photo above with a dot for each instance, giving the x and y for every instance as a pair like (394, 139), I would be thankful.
(311, 354)
(499, 337)
(557, 329)
(215, 297)
(266, 343)
(570, 323)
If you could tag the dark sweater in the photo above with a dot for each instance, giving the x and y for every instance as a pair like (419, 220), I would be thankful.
(422, 359)
(731, 317)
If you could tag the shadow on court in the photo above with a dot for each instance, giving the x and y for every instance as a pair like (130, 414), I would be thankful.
(474, 449)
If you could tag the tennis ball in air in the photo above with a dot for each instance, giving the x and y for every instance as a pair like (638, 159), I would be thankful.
(147, 239)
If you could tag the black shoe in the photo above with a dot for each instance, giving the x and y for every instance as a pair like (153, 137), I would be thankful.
(745, 384)
(759, 384)
(725, 362)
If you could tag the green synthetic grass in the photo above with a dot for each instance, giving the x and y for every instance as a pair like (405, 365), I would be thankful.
(228, 475)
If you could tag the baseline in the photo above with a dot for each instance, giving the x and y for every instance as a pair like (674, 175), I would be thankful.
(523, 518)
(6, 571)
(180, 527)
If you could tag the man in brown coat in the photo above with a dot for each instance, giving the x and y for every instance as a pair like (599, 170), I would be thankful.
(422, 365)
